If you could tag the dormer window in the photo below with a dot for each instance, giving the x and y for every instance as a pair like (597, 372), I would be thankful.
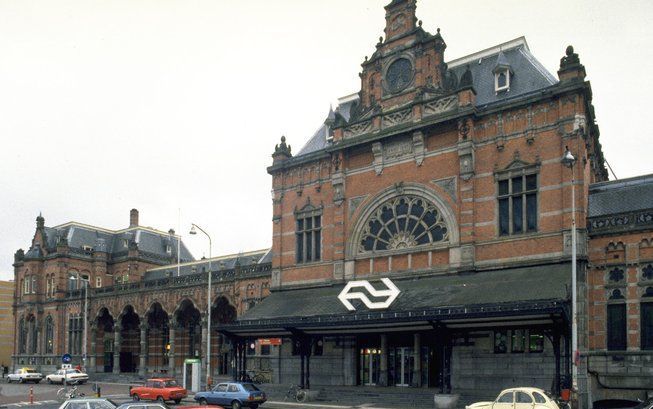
(502, 80)
(502, 73)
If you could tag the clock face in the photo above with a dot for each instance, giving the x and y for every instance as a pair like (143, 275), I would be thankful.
(399, 75)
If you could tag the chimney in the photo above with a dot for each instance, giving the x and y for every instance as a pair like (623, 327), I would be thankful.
(133, 218)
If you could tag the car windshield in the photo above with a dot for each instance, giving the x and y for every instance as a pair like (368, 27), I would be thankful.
(249, 387)
(69, 371)
(171, 383)
(30, 371)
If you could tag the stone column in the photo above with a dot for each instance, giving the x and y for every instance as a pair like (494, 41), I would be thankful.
(383, 376)
(142, 356)
(116, 348)
(417, 354)
(171, 353)
(92, 363)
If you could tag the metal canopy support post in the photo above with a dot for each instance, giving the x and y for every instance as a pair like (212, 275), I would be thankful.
(142, 357)
(417, 353)
(383, 376)
(556, 353)
(171, 352)
(116, 348)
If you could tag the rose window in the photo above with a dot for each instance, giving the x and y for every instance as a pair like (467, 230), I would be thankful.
(403, 222)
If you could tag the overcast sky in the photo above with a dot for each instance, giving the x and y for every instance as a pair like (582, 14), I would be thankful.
(174, 106)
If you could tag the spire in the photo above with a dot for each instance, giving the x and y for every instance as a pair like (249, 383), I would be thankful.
(399, 18)
(570, 67)
(40, 221)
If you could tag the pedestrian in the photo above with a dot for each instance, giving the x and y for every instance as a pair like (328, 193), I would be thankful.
(3, 370)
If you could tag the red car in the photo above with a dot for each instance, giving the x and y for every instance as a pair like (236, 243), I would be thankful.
(159, 389)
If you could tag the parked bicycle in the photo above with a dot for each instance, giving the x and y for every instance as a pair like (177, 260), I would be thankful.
(296, 393)
(64, 393)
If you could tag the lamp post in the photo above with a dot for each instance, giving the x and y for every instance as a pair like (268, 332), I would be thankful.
(208, 303)
(569, 161)
(85, 330)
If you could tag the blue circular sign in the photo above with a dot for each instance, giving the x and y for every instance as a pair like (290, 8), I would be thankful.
(66, 358)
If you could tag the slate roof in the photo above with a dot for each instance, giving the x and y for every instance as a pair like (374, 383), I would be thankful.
(112, 242)
(621, 196)
(246, 260)
(528, 76)
(518, 285)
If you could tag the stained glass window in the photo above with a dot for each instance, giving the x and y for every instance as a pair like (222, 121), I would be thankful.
(403, 222)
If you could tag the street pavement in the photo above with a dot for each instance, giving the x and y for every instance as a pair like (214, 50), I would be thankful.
(15, 396)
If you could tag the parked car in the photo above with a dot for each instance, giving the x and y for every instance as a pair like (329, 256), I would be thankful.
(71, 376)
(139, 405)
(234, 394)
(160, 389)
(25, 375)
(88, 403)
(518, 398)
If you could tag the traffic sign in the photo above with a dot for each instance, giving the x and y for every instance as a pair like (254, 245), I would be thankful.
(66, 358)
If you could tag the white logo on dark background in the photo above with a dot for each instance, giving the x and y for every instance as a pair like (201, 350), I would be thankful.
(391, 293)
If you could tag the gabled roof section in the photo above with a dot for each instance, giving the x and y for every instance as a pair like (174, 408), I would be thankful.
(84, 236)
(528, 76)
(621, 196)
(245, 260)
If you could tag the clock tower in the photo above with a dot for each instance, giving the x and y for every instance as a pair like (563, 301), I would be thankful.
(406, 67)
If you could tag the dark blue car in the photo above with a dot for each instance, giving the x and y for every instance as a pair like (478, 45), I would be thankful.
(234, 394)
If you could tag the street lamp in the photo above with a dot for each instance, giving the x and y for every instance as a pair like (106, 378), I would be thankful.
(569, 161)
(85, 330)
(208, 303)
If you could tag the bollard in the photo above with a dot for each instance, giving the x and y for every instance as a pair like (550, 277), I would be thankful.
(31, 395)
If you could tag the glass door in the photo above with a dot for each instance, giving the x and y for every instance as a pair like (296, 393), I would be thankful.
(370, 366)
(404, 362)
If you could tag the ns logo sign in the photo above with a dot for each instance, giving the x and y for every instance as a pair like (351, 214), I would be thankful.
(391, 292)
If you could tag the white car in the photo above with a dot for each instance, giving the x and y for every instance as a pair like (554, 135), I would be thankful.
(518, 398)
(71, 376)
(25, 375)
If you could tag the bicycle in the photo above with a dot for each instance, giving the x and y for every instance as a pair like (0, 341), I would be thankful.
(260, 376)
(64, 394)
(296, 393)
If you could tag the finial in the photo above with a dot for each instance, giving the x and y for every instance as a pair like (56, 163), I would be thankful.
(419, 23)
(282, 149)
(570, 60)
(438, 30)
(365, 58)
(570, 50)
(381, 39)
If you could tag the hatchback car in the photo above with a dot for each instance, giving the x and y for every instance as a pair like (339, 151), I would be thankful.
(160, 389)
(88, 403)
(71, 376)
(518, 398)
(25, 375)
(234, 394)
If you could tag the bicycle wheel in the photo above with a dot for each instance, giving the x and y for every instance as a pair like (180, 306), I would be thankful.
(61, 394)
(301, 395)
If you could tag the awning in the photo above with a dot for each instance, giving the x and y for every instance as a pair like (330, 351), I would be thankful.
(528, 295)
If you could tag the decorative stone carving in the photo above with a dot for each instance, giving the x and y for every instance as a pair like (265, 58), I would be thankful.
(397, 149)
(466, 159)
(440, 106)
(354, 202)
(397, 118)
(377, 150)
(419, 148)
(275, 279)
(448, 185)
(358, 129)
(339, 270)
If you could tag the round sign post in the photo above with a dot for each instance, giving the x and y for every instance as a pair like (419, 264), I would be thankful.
(66, 359)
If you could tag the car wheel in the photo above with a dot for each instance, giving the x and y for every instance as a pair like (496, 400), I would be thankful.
(8, 380)
(49, 381)
(160, 399)
(236, 405)
(20, 380)
(136, 398)
(203, 402)
(177, 401)
(254, 406)
(39, 381)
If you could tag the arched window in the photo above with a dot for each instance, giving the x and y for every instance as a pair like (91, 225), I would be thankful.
(22, 336)
(33, 336)
(72, 281)
(403, 222)
(49, 335)
(646, 312)
(48, 287)
(33, 284)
